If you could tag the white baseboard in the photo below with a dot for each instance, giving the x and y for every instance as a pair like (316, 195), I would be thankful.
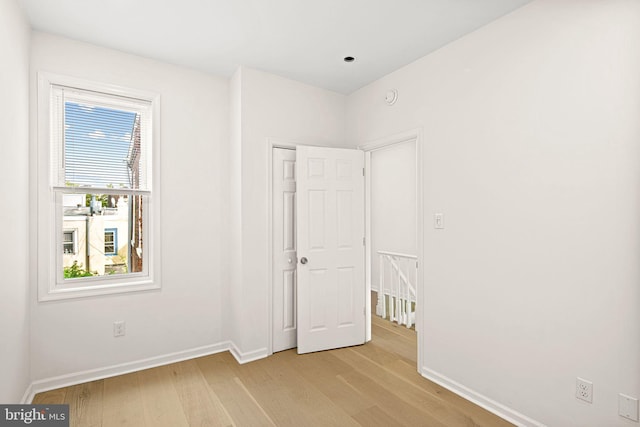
(481, 400)
(120, 369)
(247, 357)
(28, 395)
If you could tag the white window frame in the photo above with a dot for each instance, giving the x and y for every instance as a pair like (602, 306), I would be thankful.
(114, 233)
(74, 240)
(51, 282)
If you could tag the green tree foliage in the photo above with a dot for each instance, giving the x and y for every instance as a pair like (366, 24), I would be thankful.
(75, 271)
(102, 198)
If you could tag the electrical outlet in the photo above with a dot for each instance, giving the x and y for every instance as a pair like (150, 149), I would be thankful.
(628, 407)
(119, 328)
(584, 390)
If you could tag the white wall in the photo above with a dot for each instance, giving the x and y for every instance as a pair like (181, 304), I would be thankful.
(532, 152)
(286, 110)
(14, 214)
(76, 335)
(393, 204)
(530, 135)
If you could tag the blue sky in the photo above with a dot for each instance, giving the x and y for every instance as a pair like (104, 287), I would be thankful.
(97, 142)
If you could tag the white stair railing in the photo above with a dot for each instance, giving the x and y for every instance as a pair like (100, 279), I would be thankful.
(397, 292)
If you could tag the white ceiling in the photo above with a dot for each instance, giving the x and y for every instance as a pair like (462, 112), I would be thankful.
(304, 40)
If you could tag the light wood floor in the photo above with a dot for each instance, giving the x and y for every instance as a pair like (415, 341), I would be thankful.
(375, 384)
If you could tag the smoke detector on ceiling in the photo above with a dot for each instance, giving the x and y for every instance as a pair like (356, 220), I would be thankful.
(391, 96)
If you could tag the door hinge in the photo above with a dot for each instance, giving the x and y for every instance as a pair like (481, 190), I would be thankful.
(362, 171)
(364, 241)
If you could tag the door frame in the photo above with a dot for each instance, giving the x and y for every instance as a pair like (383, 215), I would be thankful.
(369, 148)
(271, 144)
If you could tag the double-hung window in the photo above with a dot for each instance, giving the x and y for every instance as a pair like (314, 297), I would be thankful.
(69, 242)
(100, 195)
(111, 241)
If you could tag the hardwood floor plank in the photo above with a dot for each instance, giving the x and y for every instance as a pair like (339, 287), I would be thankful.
(408, 392)
(376, 384)
(376, 417)
(242, 407)
(398, 330)
(53, 397)
(200, 405)
(395, 343)
(122, 402)
(288, 398)
(267, 419)
(162, 405)
(482, 416)
(85, 403)
(404, 413)
(324, 374)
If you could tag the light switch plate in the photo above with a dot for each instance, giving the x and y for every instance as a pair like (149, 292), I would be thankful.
(628, 407)
(438, 221)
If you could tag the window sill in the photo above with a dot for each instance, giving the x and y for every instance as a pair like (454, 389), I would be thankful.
(93, 290)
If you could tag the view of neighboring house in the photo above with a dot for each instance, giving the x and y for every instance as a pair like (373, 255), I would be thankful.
(95, 237)
(102, 150)
(133, 164)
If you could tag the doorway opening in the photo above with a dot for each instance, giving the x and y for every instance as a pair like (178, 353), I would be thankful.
(394, 231)
(393, 269)
(402, 152)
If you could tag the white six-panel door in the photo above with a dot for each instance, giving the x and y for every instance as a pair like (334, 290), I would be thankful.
(330, 243)
(284, 249)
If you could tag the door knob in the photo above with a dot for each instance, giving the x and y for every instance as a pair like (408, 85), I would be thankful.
(303, 260)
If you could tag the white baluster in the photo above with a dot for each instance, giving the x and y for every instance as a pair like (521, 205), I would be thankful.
(394, 292)
(398, 295)
(381, 310)
(408, 295)
(398, 284)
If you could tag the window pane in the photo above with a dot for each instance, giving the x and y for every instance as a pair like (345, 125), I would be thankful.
(110, 243)
(68, 243)
(108, 234)
(102, 146)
